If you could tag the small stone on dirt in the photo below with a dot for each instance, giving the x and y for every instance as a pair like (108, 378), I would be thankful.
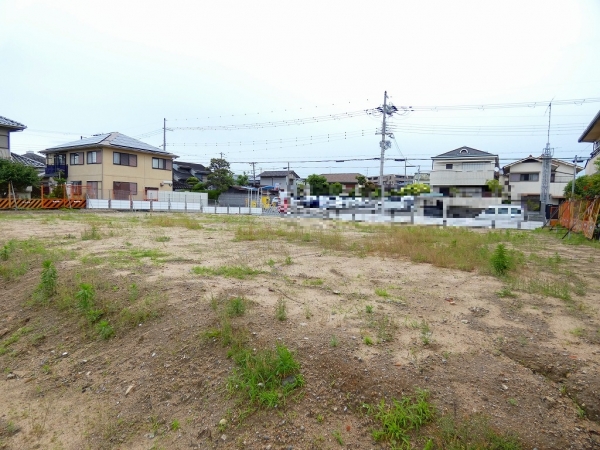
(288, 380)
(223, 437)
(464, 321)
(11, 376)
(505, 387)
(129, 389)
(223, 422)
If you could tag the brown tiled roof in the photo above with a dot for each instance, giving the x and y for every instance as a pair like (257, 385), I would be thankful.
(344, 178)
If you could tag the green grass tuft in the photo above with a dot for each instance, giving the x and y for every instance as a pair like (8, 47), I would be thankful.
(239, 272)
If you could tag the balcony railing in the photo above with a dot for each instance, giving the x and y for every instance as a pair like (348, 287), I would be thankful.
(57, 168)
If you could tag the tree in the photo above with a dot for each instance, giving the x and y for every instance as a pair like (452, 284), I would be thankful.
(362, 180)
(415, 189)
(221, 176)
(242, 180)
(494, 187)
(586, 186)
(20, 175)
(318, 184)
(192, 181)
(336, 188)
(199, 187)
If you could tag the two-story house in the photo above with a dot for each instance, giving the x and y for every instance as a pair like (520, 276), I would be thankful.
(111, 166)
(463, 172)
(592, 134)
(522, 180)
(279, 179)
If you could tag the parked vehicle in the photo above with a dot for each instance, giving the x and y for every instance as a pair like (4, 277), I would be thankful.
(502, 212)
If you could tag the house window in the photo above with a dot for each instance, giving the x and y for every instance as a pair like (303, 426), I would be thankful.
(123, 189)
(529, 177)
(76, 159)
(93, 189)
(94, 157)
(449, 166)
(75, 187)
(124, 159)
(160, 163)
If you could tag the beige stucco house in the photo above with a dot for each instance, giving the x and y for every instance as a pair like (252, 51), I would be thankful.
(111, 166)
(522, 180)
(592, 134)
(463, 171)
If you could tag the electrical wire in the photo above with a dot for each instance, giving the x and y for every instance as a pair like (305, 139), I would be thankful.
(281, 123)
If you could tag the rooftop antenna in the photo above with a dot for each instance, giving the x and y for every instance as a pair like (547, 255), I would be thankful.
(546, 167)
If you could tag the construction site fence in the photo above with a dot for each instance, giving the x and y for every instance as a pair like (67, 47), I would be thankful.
(42, 203)
(580, 216)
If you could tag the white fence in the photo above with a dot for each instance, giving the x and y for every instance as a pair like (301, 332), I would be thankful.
(155, 205)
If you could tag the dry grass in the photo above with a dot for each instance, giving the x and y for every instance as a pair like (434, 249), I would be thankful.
(455, 248)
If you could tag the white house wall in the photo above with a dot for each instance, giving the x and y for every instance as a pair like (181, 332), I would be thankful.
(463, 173)
(563, 174)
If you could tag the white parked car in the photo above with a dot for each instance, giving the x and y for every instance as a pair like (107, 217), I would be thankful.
(502, 212)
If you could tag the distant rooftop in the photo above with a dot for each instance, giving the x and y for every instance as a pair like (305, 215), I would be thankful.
(277, 173)
(27, 161)
(347, 178)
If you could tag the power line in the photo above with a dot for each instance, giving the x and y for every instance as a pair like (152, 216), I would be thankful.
(543, 103)
(260, 142)
(281, 123)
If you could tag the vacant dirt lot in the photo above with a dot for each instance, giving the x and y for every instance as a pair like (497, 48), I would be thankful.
(146, 365)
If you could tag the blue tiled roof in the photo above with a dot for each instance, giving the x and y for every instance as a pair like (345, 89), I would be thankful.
(8, 123)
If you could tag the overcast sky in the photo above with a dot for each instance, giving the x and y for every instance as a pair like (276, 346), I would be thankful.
(76, 68)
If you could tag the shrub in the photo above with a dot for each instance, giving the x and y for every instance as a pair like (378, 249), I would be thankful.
(500, 260)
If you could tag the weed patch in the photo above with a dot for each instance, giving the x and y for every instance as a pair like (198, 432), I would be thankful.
(267, 377)
(281, 310)
(90, 234)
(401, 418)
(239, 272)
(472, 433)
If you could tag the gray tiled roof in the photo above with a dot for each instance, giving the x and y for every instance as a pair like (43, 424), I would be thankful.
(8, 123)
(110, 140)
(277, 173)
(27, 161)
(35, 157)
(463, 152)
(92, 140)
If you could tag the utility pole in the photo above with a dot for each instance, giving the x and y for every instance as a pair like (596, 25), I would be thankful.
(383, 147)
(165, 134)
(546, 168)
(287, 180)
(575, 161)
(253, 172)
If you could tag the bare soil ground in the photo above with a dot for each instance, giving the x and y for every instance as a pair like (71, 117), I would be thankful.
(526, 361)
